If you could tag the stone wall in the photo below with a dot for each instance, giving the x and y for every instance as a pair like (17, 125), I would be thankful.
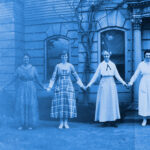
(11, 39)
(109, 18)
(47, 19)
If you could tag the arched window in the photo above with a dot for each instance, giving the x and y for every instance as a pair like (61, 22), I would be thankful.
(54, 47)
(114, 40)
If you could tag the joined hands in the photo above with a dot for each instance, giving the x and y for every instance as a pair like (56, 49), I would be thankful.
(48, 89)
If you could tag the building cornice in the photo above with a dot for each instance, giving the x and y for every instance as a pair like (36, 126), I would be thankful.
(137, 3)
(6, 1)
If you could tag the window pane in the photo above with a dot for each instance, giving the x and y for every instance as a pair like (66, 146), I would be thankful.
(54, 48)
(113, 40)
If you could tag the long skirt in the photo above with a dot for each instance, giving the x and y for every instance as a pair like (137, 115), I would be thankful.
(64, 102)
(144, 96)
(26, 104)
(107, 106)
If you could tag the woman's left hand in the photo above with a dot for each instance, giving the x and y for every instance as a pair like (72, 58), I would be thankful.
(48, 89)
(84, 88)
(125, 84)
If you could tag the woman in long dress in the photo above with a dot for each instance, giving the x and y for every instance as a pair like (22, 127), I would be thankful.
(143, 69)
(107, 105)
(64, 102)
(26, 97)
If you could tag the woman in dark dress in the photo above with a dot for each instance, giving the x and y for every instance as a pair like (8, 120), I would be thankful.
(26, 96)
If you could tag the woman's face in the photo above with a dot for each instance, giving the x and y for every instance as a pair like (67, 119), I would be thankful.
(26, 60)
(106, 56)
(64, 58)
(147, 57)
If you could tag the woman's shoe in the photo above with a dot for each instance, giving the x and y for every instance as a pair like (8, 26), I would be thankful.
(113, 124)
(30, 128)
(60, 126)
(144, 122)
(66, 126)
(104, 124)
(20, 128)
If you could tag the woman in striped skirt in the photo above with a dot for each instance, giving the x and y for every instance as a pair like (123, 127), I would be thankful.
(107, 105)
(64, 102)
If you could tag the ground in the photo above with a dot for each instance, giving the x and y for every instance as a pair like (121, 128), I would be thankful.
(87, 135)
(81, 136)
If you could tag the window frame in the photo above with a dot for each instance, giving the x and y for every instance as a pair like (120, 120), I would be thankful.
(46, 52)
(125, 45)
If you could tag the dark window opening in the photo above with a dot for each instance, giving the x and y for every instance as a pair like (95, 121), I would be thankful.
(54, 48)
(114, 41)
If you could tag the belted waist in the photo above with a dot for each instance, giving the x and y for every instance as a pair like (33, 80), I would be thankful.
(26, 80)
(107, 76)
(64, 77)
(146, 75)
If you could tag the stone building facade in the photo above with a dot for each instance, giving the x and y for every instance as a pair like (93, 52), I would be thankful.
(44, 28)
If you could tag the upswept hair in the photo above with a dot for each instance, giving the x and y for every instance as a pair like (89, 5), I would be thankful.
(106, 51)
(147, 51)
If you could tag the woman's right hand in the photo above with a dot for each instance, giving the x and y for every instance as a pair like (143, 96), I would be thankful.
(125, 84)
(84, 88)
(129, 84)
(48, 89)
(87, 87)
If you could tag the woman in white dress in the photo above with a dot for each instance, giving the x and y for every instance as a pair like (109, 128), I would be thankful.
(107, 105)
(143, 69)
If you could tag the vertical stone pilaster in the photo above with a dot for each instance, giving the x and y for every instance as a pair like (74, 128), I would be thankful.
(18, 10)
(137, 53)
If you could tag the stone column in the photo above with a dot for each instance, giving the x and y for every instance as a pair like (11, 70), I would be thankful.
(137, 54)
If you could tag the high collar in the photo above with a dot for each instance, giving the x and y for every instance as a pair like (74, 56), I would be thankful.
(27, 67)
(147, 62)
(107, 62)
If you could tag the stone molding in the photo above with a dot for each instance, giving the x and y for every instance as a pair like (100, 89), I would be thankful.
(136, 23)
(140, 8)
(60, 29)
(137, 3)
(113, 18)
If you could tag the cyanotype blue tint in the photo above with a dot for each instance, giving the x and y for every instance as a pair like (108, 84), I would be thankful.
(114, 41)
(43, 29)
(54, 48)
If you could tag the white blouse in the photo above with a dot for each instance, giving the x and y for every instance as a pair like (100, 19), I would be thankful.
(142, 69)
(106, 69)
